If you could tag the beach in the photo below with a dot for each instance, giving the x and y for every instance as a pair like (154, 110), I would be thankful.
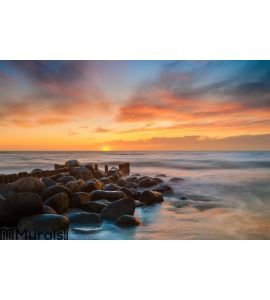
(216, 195)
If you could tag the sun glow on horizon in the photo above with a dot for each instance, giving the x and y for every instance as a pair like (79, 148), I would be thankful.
(105, 148)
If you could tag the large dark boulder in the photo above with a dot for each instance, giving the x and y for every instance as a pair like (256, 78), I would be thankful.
(92, 185)
(59, 202)
(127, 221)
(82, 172)
(19, 205)
(127, 192)
(164, 189)
(118, 208)
(107, 195)
(176, 179)
(43, 223)
(28, 184)
(151, 197)
(98, 174)
(77, 199)
(53, 190)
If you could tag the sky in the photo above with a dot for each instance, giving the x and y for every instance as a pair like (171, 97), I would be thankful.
(135, 105)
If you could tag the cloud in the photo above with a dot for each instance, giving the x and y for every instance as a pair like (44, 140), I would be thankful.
(196, 143)
(49, 92)
(102, 130)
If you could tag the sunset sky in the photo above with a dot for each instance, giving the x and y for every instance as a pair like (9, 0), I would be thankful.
(135, 105)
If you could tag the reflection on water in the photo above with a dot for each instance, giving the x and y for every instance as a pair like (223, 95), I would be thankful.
(224, 195)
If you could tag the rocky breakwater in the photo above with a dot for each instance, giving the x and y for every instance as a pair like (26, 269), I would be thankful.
(83, 195)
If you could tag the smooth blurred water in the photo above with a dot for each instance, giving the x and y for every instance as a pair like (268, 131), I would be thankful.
(227, 193)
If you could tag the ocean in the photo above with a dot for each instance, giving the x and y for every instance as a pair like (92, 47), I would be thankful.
(225, 195)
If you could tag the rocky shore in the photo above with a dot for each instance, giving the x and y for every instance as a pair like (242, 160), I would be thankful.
(80, 194)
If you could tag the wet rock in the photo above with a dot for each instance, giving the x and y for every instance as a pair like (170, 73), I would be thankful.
(92, 185)
(136, 195)
(113, 171)
(59, 202)
(112, 187)
(82, 172)
(107, 195)
(90, 167)
(118, 208)
(53, 190)
(150, 197)
(106, 180)
(131, 185)
(122, 182)
(28, 184)
(127, 221)
(176, 179)
(164, 189)
(132, 178)
(36, 171)
(72, 163)
(43, 223)
(127, 192)
(73, 186)
(98, 174)
(48, 210)
(161, 175)
(77, 199)
(158, 180)
(146, 182)
(66, 179)
(48, 182)
(6, 189)
(19, 205)
(95, 206)
(83, 218)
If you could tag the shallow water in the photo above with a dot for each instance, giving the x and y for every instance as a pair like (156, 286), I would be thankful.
(226, 193)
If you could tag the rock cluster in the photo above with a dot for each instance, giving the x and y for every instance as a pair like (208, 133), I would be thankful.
(83, 195)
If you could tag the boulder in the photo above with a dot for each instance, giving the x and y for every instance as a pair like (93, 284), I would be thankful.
(53, 190)
(36, 171)
(161, 175)
(146, 182)
(106, 180)
(77, 199)
(83, 218)
(131, 185)
(48, 182)
(176, 179)
(43, 223)
(158, 180)
(73, 186)
(164, 189)
(28, 184)
(59, 202)
(150, 197)
(112, 171)
(19, 205)
(107, 195)
(119, 208)
(112, 187)
(90, 166)
(127, 192)
(66, 179)
(132, 178)
(127, 221)
(72, 163)
(122, 182)
(82, 172)
(92, 185)
(98, 174)
(95, 206)
(48, 210)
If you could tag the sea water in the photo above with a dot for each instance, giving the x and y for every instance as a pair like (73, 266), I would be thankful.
(224, 195)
